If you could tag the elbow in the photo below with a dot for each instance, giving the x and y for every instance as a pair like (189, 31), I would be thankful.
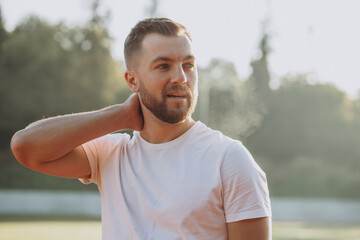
(19, 148)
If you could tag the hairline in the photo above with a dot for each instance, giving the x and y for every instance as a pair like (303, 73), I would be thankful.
(129, 64)
(167, 59)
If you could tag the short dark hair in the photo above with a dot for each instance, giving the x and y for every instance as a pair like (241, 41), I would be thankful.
(163, 26)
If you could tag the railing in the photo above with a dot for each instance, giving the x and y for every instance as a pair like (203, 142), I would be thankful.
(88, 204)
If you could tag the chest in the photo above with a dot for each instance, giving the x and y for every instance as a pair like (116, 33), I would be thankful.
(171, 177)
(174, 190)
(166, 183)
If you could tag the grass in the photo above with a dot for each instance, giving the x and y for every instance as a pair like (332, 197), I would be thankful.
(54, 228)
(77, 228)
(314, 231)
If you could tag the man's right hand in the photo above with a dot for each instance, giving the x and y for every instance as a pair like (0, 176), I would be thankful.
(134, 113)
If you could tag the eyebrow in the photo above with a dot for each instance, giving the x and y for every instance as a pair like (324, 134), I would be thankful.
(167, 59)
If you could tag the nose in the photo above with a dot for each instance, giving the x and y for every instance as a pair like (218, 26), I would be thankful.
(179, 76)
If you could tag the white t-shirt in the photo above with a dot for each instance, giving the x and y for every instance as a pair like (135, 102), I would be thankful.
(188, 188)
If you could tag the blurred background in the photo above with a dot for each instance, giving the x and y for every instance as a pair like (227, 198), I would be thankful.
(281, 76)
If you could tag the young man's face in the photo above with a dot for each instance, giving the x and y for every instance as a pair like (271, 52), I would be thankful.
(167, 77)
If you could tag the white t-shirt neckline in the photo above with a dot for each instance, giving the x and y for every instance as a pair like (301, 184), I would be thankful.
(156, 146)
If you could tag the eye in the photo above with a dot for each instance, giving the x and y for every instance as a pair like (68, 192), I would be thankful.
(189, 65)
(163, 66)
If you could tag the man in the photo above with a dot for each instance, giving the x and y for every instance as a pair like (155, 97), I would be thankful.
(176, 178)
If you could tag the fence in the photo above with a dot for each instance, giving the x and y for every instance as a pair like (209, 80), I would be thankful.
(88, 204)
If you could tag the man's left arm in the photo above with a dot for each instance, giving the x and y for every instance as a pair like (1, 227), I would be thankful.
(250, 229)
(245, 195)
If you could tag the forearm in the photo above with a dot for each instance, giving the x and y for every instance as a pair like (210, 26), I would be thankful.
(250, 229)
(52, 138)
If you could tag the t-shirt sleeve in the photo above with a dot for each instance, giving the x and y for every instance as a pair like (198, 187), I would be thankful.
(245, 189)
(99, 151)
(93, 150)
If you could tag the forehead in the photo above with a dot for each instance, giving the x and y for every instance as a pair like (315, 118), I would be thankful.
(155, 45)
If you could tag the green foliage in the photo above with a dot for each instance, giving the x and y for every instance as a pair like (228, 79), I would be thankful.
(305, 136)
(308, 141)
(260, 76)
(3, 33)
(226, 102)
(48, 70)
(302, 116)
(51, 70)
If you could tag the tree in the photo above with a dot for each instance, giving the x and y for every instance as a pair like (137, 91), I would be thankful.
(218, 75)
(48, 70)
(309, 140)
(260, 77)
(54, 69)
(152, 10)
(225, 102)
(3, 32)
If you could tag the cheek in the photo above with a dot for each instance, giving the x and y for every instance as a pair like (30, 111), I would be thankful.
(158, 79)
(156, 89)
(153, 82)
(192, 80)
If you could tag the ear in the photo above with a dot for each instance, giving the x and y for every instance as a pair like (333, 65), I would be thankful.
(131, 80)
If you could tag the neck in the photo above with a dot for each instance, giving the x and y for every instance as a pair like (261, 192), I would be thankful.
(157, 131)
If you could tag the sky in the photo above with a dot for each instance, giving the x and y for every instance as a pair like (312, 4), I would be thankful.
(320, 38)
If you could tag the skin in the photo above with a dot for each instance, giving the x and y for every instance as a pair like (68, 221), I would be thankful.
(250, 229)
(164, 62)
(53, 146)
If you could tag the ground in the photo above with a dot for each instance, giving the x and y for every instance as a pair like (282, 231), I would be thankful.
(37, 228)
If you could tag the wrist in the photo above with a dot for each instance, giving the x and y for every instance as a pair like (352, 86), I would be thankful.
(114, 116)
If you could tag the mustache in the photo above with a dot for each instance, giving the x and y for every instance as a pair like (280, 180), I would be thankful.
(180, 88)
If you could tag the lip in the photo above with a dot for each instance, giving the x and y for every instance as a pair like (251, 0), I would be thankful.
(176, 94)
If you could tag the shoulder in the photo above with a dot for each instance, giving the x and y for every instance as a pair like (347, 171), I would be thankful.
(239, 161)
(107, 142)
(232, 152)
(236, 150)
(231, 148)
(236, 160)
(212, 137)
(115, 138)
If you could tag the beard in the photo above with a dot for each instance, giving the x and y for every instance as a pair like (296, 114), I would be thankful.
(160, 110)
